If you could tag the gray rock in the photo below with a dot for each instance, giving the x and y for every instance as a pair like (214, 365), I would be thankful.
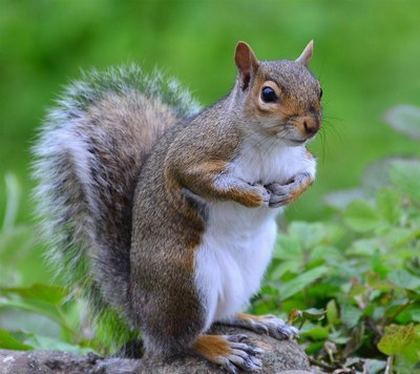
(285, 357)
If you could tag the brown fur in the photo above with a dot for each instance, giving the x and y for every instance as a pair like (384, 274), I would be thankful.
(186, 168)
(201, 179)
(295, 106)
(119, 131)
(300, 190)
(131, 180)
(167, 228)
(212, 347)
(136, 180)
(246, 316)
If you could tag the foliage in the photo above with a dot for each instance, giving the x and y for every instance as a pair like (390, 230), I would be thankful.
(362, 270)
(351, 284)
(33, 315)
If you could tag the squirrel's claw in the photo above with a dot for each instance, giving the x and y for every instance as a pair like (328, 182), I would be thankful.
(242, 355)
(268, 324)
(264, 192)
(281, 330)
(274, 327)
(232, 352)
(283, 194)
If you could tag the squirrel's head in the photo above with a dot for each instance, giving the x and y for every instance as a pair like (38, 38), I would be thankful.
(278, 98)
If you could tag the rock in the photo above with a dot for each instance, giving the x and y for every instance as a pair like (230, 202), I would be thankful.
(285, 357)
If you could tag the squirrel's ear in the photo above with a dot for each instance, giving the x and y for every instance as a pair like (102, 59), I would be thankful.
(246, 62)
(306, 55)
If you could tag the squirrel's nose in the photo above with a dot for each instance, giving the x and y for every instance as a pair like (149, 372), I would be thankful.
(310, 126)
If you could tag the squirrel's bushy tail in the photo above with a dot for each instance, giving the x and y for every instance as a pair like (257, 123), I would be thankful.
(87, 160)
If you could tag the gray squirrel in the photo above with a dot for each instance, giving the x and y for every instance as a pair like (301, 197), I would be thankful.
(163, 215)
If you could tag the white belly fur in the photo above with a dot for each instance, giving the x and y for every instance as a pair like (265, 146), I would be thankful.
(237, 245)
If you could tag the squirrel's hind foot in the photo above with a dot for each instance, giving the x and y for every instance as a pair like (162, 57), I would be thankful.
(229, 351)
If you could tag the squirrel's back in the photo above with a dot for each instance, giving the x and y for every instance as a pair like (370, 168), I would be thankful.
(88, 157)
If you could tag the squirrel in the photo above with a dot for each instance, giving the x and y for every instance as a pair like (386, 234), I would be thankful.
(163, 214)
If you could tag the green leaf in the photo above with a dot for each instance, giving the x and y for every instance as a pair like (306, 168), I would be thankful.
(332, 313)
(364, 247)
(403, 279)
(378, 264)
(378, 313)
(51, 294)
(338, 337)
(405, 175)
(314, 347)
(8, 341)
(327, 253)
(414, 314)
(398, 236)
(401, 341)
(315, 332)
(286, 266)
(41, 299)
(388, 203)
(297, 284)
(308, 234)
(361, 216)
(313, 314)
(47, 343)
(350, 315)
(287, 248)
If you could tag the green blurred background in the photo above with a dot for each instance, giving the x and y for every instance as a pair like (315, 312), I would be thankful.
(367, 57)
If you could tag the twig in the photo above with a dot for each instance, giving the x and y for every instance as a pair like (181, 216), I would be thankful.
(388, 368)
(397, 312)
(321, 364)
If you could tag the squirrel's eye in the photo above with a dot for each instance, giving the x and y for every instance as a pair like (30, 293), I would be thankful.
(320, 93)
(268, 95)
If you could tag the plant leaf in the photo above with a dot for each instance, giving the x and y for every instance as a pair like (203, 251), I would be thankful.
(8, 341)
(361, 216)
(297, 284)
(405, 174)
(308, 234)
(350, 315)
(388, 203)
(315, 332)
(47, 293)
(403, 279)
(332, 313)
(401, 341)
(47, 343)
(314, 314)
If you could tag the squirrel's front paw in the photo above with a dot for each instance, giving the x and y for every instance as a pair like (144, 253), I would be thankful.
(283, 194)
(259, 196)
